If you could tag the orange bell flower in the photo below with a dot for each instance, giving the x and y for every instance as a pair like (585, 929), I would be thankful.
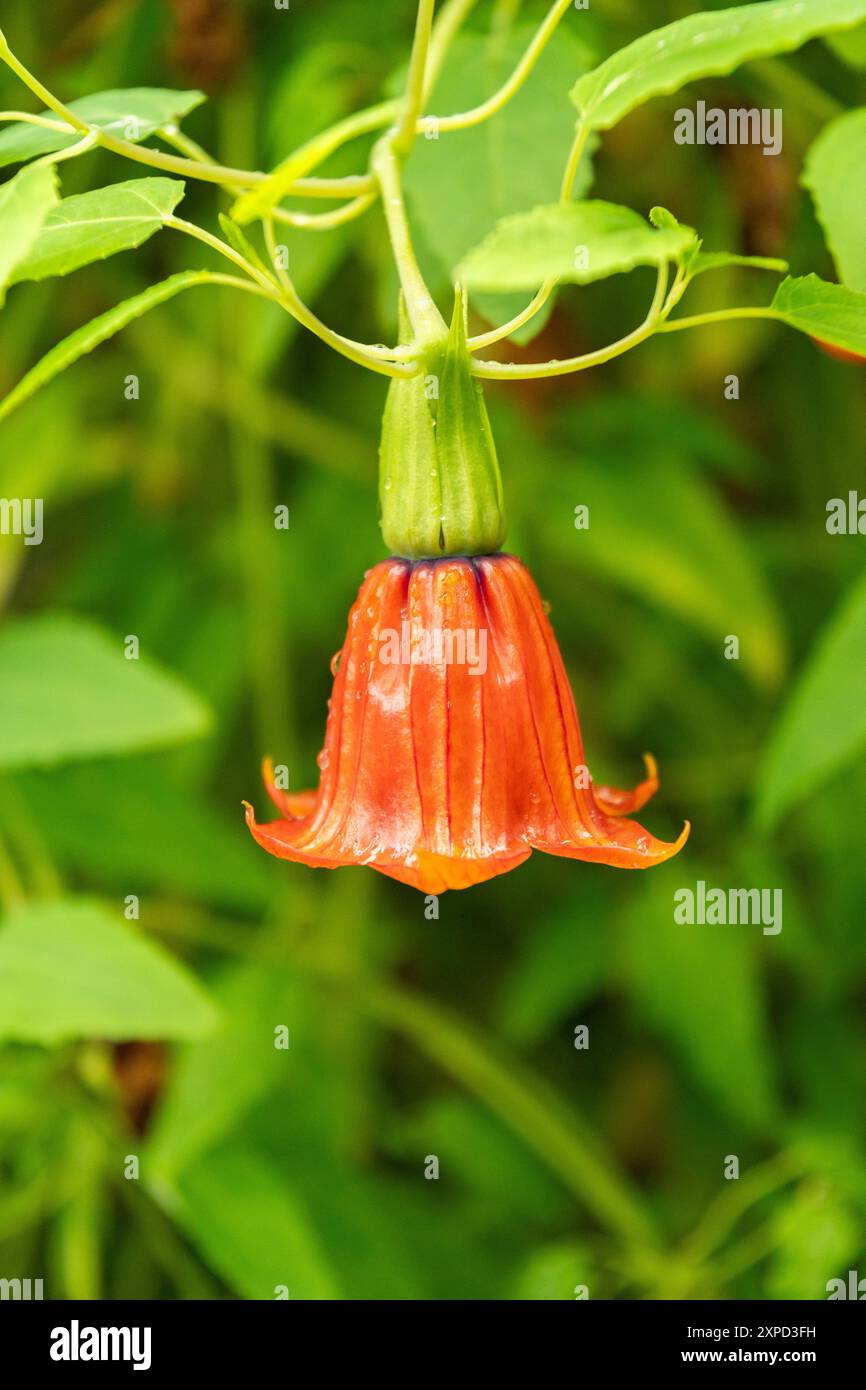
(453, 747)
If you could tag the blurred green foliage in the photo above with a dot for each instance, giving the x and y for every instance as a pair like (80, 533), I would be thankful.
(263, 1167)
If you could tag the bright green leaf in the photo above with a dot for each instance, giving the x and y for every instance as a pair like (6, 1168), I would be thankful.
(68, 692)
(25, 202)
(575, 243)
(823, 726)
(133, 115)
(835, 173)
(708, 44)
(97, 331)
(251, 1228)
(850, 46)
(831, 313)
(71, 970)
(92, 226)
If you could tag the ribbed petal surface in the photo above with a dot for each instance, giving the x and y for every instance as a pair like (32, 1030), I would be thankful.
(453, 747)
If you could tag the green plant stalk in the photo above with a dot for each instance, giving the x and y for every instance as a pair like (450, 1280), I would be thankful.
(534, 371)
(525, 1106)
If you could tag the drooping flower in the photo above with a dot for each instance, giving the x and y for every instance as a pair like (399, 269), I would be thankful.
(453, 747)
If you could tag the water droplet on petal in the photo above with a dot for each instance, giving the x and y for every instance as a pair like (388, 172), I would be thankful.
(335, 663)
(323, 760)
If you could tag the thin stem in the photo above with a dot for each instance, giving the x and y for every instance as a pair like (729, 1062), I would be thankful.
(534, 371)
(387, 358)
(173, 164)
(11, 888)
(427, 322)
(461, 120)
(413, 100)
(802, 90)
(24, 832)
(324, 221)
(448, 24)
(30, 119)
(36, 87)
(523, 1103)
(347, 187)
(505, 330)
(72, 152)
(718, 316)
(575, 155)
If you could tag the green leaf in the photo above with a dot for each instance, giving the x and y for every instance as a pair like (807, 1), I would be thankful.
(823, 727)
(575, 243)
(835, 174)
(711, 43)
(86, 338)
(698, 987)
(93, 226)
(831, 313)
(25, 202)
(133, 115)
(250, 1227)
(459, 186)
(68, 692)
(70, 970)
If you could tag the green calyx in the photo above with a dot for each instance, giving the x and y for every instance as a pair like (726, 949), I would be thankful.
(440, 492)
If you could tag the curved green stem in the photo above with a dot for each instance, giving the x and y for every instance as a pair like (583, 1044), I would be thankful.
(534, 371)
(29, 119)
(36, 87)
(718, 316)
(461, 120)
(284, 293)
(324, 221)
(404, 134)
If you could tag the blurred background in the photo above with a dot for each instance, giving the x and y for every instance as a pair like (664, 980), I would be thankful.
(234, 1082)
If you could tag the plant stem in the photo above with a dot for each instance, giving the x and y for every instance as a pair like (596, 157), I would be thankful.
(427, 323)
(718, 316)
(524, 1104)
(11, 888)
(533, 371)
(29, 119)
(461, 120)
(36, 87)
(413, 100)
(284, 293)
(324, 221)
